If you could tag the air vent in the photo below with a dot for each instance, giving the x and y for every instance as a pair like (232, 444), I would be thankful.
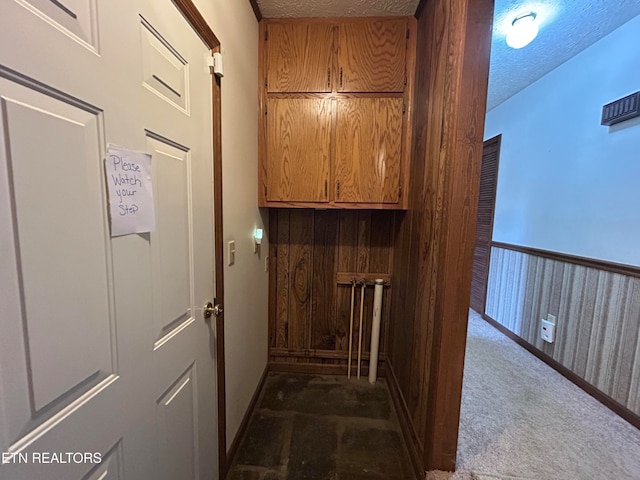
(624, 109)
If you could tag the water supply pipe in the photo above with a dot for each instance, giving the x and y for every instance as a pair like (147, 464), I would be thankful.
(375, 330)
(364, 285)
(353, 295)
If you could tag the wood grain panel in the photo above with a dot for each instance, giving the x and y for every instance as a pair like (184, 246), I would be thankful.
(298, 149)
(371, 56)
(598, 317)
(299, 57)
(301, 238)
(368, 150)
(326, 249)
(434, 245)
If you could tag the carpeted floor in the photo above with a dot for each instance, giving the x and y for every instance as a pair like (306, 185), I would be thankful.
(520, 419)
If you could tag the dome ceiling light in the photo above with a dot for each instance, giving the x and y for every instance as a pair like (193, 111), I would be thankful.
(524, 29)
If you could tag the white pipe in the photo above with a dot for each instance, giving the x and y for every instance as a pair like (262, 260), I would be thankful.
(375, 330)
(364, 285)
(353, 295)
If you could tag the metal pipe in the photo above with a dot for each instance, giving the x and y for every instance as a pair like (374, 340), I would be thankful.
(353, 296)
(364, 285)
(375, 330)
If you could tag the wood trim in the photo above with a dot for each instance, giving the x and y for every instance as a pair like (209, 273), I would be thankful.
(256, 9)
(420, 8)
(603, 398)
(200, 25)
(242, 430)
(605, 265)
(331, 205)
(319, 354)
(411, 438)
(344, 278)
(198, 22)
(322, 369)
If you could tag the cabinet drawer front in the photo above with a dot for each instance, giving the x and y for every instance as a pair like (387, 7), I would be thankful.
(368, 150)
(299, 57)
(298, 149)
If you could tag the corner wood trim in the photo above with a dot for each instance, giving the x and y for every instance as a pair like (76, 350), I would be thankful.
(198, 22)
(420, 8)
(242, 430)
(404, 417)
(602, 397)
(256, 9)
(612, 267)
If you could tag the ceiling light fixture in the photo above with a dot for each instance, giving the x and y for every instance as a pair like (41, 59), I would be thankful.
(523, 30)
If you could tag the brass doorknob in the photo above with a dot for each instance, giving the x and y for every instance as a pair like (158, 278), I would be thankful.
(211, 309)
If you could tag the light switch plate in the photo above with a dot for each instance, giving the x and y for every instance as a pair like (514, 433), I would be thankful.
(231, 252)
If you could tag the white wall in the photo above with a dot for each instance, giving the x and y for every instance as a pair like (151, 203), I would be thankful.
(246, 282)
(565, 182)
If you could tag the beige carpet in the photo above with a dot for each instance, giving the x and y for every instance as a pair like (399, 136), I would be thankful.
(521, 420)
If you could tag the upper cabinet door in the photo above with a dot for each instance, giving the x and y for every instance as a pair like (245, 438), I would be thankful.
(298, 149)
(371, 56)
(368, 150)
(299, 57)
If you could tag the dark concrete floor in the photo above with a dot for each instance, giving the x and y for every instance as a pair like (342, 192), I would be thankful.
(325, 427)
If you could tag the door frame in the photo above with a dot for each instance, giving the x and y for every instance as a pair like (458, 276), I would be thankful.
(202, 28)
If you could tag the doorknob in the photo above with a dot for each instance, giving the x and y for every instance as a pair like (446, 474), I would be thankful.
(211, 309)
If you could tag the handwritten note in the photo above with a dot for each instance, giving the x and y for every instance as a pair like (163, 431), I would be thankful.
(130, 191)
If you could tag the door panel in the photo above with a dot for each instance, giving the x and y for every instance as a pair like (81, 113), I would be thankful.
(368, 150)
(75, 296)
(299, 57)
(298, 149)
(371, 56)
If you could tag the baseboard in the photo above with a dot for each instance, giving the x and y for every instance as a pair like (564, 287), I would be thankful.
(414, 446)
(322, 368)
(599, 395)
(247, 417)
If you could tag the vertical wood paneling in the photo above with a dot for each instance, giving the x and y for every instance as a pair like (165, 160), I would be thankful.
(598, 329)
(301, 240)
(310, 322)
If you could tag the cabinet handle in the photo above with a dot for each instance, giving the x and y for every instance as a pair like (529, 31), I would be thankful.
(326, 188)
(338, 189)
(328, 77)
(340, 77)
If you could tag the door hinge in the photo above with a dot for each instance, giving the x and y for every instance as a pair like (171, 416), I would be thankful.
(338, 189)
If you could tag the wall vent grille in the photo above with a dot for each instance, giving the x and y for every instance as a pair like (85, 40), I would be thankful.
(624, 109)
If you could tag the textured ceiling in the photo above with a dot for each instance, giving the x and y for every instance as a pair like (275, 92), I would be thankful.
(566, 28)
(336, 8)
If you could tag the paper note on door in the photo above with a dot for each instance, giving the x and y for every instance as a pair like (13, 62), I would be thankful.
(130, 191)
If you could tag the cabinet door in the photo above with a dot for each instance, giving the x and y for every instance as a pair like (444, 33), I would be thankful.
(299, 57)
(298, 149)
(371, 56)
(368, 150)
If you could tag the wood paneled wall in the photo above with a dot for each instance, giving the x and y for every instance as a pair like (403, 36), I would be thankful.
(598, 317)
(314, 254)
(434, 246)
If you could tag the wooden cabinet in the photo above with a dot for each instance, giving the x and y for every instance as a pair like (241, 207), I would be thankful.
(368, 150)
(298, 149)
(299, 57)
(335, 117)
(371, 56)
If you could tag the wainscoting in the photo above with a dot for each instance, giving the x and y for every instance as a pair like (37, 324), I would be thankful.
(598, 311)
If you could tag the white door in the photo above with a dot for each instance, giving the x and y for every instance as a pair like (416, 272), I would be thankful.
(104, 351)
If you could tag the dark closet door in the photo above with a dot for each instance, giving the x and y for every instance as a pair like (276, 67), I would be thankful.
(484, 227)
